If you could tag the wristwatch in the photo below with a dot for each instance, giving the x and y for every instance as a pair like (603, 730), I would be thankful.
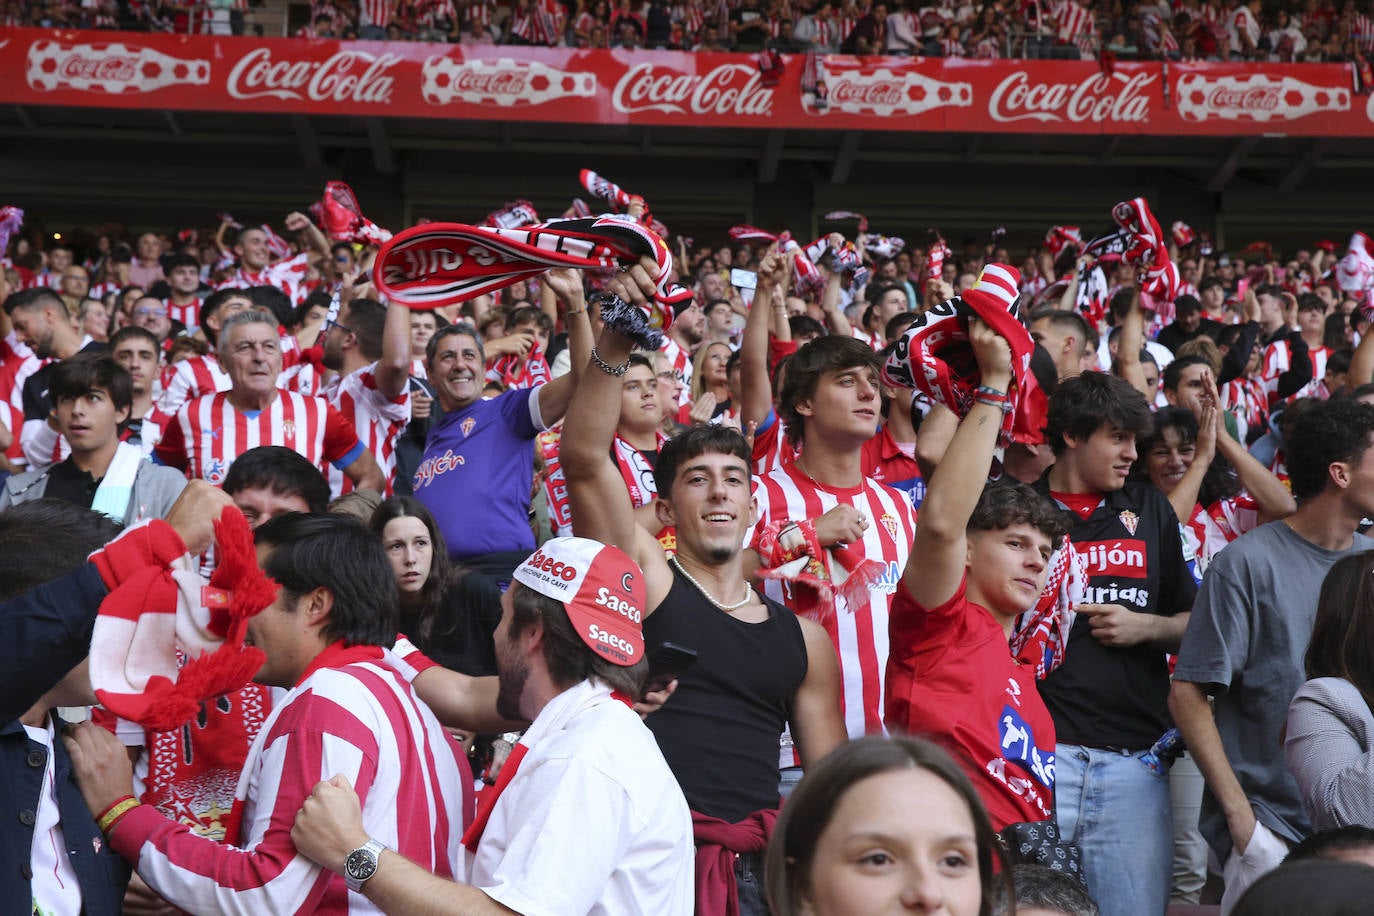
(361, 864)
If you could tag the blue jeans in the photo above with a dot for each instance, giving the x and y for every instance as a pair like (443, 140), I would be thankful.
(1118, 811)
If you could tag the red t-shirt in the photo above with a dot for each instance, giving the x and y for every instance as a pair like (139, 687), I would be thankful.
(951, 676)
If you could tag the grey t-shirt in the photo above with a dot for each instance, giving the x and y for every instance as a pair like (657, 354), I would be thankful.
(1248, 634)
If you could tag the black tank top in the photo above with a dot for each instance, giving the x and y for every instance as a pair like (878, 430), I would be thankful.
(719, 732)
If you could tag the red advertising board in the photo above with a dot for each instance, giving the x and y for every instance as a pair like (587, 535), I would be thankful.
(413, 80)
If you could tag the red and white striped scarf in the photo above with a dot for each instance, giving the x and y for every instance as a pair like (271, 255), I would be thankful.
(515, 371)
(438, 264)
(1074, 21)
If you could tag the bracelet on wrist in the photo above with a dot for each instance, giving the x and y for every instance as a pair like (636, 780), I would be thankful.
(111, 815)
(991, 392)
(607, 368)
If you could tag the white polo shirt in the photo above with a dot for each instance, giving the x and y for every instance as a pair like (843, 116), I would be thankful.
(593, 822)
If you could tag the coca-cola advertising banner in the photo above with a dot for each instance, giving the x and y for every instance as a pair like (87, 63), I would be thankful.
(205, 73)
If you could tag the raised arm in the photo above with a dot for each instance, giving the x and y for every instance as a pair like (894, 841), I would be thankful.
(936, 565)
(1271, 497)
(555, 396)
(1128, 351)
(393, 369)
(757, 389)
(600, 504)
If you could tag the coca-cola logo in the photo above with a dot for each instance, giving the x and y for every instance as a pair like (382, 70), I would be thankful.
(1259, 98)
(850, 92)
(729, 89)
(501, 82)
(346, 76)
(1099, 98)
(112, 67)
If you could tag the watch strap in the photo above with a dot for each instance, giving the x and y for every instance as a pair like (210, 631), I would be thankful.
(373, 849)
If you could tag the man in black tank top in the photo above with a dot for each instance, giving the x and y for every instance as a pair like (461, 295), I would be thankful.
(759, 667)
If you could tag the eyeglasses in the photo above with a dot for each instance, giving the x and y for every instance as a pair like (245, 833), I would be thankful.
(331, 323)
(147, 312)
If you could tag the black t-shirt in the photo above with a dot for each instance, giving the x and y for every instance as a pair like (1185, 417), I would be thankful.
(719, 733)
(70, 484)
(1109, 697)
(753, 28)
(462, 634)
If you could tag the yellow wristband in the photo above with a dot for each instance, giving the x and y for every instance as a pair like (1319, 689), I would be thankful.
(108, 819)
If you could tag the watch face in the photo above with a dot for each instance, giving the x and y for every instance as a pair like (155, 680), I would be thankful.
(361, 864)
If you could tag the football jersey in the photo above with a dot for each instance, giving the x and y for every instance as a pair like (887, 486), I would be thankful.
(859, 633)
(377, 419)
(209, 433)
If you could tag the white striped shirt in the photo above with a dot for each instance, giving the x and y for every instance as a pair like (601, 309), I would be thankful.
(209, 433)
(859, 633)
(359, 719)
(377, 419)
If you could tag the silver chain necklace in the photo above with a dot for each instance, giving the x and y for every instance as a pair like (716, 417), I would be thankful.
(748, 593)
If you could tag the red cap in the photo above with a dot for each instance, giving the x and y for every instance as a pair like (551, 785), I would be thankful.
(601, 588)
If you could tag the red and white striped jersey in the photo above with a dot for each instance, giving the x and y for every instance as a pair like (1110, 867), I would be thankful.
(12, 418)
(478, 11)
(951, 47)
(377, 419)
(681, 362)
(522, 24)
(288, 275)
(45, 280)
(1211, 529)
(188, 314)
(197, 375)
(191, 378)
(1278, 359)
(1073, 20)
(376, 12)
(1246, 398)
(354, 715)
(151, 429)
(418, 369)
(859, 633)
(209, 433)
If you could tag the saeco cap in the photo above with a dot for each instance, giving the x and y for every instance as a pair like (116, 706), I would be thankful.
(600, 586)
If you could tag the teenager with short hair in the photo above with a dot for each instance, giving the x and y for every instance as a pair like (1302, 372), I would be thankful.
(980, 560)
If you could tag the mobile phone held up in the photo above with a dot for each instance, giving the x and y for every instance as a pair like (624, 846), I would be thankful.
(743, 279)
(666, 664)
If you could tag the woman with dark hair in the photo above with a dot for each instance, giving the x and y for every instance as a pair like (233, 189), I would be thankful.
(1329, 740)
(1218, 490)
(449, 613)
(882, 825)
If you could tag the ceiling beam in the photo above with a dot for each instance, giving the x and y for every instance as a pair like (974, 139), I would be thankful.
(1304, 164)
(844, 159)
(383, 156)
(1231, 164)
(771, 156)
(309, 143)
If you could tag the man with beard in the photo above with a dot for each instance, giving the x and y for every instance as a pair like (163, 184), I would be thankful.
(42, 322)
(586, 816)
(368, 345)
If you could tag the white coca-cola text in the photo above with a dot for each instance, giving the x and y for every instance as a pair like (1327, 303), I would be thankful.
(730, 89)
(1099, 98)
(347, 76)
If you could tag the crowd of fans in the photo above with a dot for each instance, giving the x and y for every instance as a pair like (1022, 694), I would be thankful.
(1188, 30)
(1090, 544)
